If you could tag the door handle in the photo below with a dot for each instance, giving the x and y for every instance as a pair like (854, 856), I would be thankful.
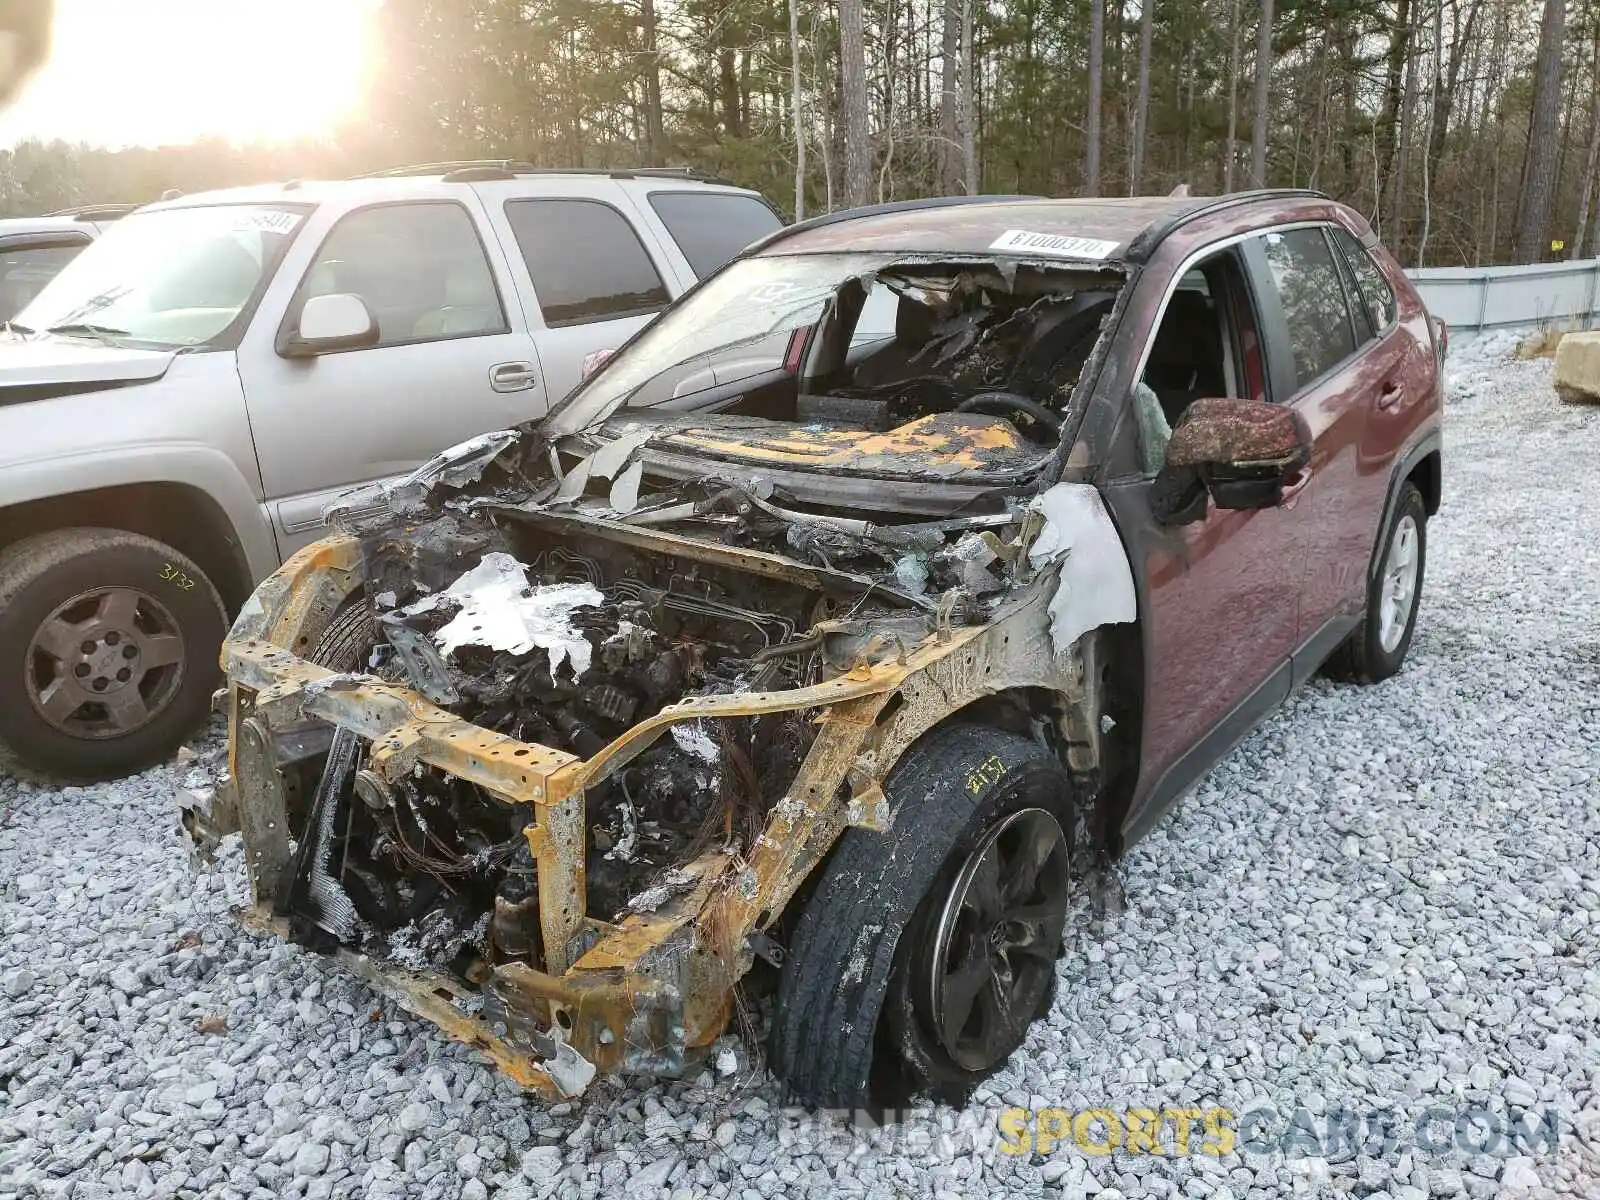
(513, 376)
(1293, 487)
(1391, 394)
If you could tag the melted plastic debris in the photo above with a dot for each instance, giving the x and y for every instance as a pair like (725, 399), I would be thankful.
(501, 611)
(693, 738)
(1096, 583)
(911, 574)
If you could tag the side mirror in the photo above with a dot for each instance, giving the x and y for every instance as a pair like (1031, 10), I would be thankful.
(1242, 452)
(338, 321)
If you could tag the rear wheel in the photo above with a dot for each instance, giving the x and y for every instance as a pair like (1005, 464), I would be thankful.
(924, 954)
(108, 652)
(1379, 644)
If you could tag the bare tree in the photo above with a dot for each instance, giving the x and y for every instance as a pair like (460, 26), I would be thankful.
(969, 111)
(1258, 133)
(1539, 171)
(1232, 153)
(655, 132)
(1091, 124)
(1141, 112)
(1575, 250)
(853, 76)
(797, 111)
(949, 94)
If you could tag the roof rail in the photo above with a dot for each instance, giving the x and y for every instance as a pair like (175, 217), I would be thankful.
(879, 210)
(468, 170)
(1143, 246)
(95, 212)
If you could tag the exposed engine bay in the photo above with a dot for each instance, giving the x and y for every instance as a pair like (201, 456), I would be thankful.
(566, 649)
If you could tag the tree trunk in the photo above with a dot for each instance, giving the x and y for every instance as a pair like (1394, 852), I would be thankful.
(1141, 112)
(1539, 175)
(857, 135)
(1091, 124)
(969, 103)
(1435, 113)
(949, 94)
(1232, 155)
(1575, 251)
(1395, 234)
(797, 111)
(655, 131)
(1394, 75)
(1258, 134)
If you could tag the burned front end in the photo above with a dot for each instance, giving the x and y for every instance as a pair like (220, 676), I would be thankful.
(543, 742)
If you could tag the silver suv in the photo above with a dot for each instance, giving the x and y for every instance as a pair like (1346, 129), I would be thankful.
(181, 403)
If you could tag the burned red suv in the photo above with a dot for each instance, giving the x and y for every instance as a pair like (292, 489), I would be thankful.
(831, 635)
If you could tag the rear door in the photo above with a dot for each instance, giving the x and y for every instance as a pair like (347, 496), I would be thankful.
(453, 358)
(1326, 362)
(590, 274)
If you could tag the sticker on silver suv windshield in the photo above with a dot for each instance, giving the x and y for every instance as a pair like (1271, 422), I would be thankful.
(270, 221)
(1054, 244)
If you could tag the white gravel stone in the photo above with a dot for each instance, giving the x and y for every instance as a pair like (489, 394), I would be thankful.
(1385, 898)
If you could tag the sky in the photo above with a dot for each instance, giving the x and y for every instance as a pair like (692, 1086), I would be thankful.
(154, 72)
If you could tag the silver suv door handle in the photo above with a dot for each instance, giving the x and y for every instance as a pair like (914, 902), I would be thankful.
(513, 376)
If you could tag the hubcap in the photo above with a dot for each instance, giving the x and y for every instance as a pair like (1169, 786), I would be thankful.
(998, 936)
(104, 663)
(1399, 592)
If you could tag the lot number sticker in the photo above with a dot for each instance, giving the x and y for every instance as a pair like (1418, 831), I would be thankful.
(1054, 244)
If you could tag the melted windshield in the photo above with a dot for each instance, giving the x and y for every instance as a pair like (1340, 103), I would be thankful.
(172, 277)
(736, 325)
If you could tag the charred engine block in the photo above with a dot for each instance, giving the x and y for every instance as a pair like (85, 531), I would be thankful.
(430, 871)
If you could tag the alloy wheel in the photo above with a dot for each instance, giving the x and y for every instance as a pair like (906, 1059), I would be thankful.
(998, 937)
(1399, 590)
(104, 663)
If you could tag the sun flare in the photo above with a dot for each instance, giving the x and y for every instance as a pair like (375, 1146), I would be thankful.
(154, 71)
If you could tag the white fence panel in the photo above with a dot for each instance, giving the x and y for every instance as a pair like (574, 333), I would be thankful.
(1537, 296)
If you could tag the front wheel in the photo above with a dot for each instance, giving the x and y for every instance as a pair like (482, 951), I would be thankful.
(925, 953)
(1376, 647)
(108, 652)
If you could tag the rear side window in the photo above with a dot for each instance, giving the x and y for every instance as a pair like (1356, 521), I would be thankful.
(585, 260)
(1377, 297)
(24, 270)
(711, 228)
(1309, 285)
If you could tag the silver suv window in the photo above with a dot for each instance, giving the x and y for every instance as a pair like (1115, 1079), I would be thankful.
(585, 261)
(712, 227)
(24, 271)
(419, 267)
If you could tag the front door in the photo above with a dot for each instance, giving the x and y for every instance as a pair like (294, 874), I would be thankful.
(453, 359)
(1220, 597)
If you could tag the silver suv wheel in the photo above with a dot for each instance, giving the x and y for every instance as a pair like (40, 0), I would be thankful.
(1399, 594)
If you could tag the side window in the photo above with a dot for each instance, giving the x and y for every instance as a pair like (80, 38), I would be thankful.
(419, 267)
(1309, 285)
(1377, 297)
(24, 270)
(711, 227)
(585, 260)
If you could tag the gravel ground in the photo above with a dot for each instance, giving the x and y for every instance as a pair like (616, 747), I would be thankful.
(1387, 900)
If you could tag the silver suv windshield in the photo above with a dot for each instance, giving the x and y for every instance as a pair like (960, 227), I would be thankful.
(171, 277)
(734, 326)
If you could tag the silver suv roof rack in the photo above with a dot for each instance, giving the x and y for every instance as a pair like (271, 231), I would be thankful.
(468, 170)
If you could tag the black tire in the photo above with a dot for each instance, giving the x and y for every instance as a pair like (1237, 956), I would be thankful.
(1363, 657)
(848, 1029)
(66, 580)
